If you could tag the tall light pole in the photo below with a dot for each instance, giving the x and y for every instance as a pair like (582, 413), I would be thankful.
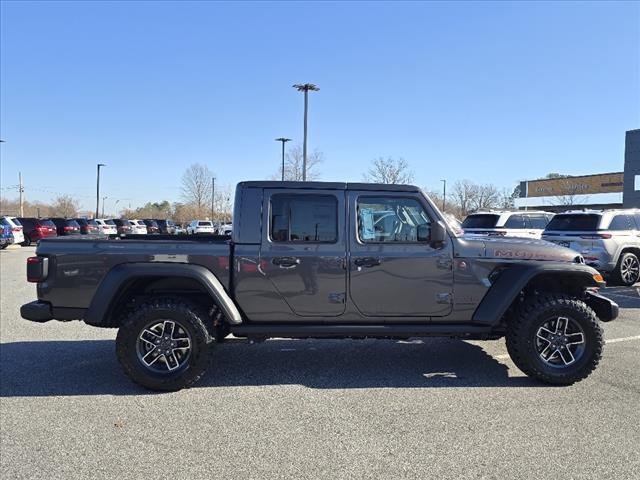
(283, 140)
(444, 194)
(115, 207)
(98, 190)
(103, 199)
(305, 87)
(213, 196)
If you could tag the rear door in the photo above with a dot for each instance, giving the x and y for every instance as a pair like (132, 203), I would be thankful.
(392, 273)
(303, 250)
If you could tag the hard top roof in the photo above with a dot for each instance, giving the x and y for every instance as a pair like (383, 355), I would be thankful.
(378, 187)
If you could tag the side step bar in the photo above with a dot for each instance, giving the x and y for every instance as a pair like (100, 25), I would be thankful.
(363, 331)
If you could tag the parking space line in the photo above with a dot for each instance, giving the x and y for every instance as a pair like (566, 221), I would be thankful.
(505, 356)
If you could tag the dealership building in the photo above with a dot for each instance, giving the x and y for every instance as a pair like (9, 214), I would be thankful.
(596, 191)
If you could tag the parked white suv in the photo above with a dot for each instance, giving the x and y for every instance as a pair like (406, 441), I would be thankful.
(138, 227)
(200, 226)
(106, 227)
(527, 224)
(609, 240)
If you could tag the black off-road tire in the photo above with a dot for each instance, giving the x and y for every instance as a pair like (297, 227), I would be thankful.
(521, 338)
(27, 241)
(191, 317)
(619, 278)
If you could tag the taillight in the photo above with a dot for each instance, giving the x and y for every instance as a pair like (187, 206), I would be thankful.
(37, 269)
(596, 236)
(68, 229)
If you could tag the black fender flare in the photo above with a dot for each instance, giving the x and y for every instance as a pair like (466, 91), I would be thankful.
(515, 277)
(105, 295)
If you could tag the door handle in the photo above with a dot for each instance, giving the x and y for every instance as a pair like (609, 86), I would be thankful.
(366, 262)
(286, 262)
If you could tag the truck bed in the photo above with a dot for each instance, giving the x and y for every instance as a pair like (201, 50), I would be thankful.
(79, 264)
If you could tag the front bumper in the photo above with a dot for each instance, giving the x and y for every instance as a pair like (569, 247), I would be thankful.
(36, 311)
(605, 309)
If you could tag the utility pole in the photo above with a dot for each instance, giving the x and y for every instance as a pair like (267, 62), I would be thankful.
(213, 197)
(21, 190)
(305, 88)
(98, 190)
(283, 140)
(444, 194)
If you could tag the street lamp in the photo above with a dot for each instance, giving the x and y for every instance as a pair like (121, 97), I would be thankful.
(444, 194)
(305, 87)
(283, 140)
(213, 196)
(103, 199)
(98, 190)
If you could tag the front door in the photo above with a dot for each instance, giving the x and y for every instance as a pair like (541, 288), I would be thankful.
(303, 251)
(393, 273)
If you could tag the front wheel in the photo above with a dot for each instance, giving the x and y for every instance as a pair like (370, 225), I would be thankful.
(555, 338)
(164, 344)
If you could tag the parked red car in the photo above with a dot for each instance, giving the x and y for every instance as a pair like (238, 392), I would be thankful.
(35, 229)
(88, 226)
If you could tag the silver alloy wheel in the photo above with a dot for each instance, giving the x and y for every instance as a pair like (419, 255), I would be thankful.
(560, 342)
(164, 346)
(630, 269)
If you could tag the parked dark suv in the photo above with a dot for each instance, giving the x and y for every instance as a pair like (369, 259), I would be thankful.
(88, 226)
(167, 226)
(123, 226)
(152, 225)
(36, 229)
(66, 226)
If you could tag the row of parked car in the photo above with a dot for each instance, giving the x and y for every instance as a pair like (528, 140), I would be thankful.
(608, 240)
(28, 230)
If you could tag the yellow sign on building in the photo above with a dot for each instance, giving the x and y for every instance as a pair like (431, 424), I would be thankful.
(586, 184)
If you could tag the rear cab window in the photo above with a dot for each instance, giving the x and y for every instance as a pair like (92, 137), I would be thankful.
(480, 221)
(303, 218)
(204, 224)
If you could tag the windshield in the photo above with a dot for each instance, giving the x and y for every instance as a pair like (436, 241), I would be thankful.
(47, 223)
(579, 222)
(480, 221)
(109, 222)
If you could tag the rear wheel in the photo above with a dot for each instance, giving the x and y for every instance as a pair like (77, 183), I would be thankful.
(27, 241)
(555, 338)
(164, 344)
(628, 269)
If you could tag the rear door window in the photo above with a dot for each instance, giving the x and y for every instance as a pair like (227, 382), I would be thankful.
(304, 218)
(574, 223)
(480, 221)
(538, 221)
(621, 222)
(515, 222)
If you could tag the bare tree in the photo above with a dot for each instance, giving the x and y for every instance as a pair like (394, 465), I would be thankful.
(294, 163)
(463, 195)
(389, 170)
(64, 206)
(485, 197)
(196, 188)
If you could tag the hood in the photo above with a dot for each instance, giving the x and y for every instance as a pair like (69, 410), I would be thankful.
(510, 248)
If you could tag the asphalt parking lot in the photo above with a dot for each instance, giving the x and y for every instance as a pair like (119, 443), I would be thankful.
(433, 408)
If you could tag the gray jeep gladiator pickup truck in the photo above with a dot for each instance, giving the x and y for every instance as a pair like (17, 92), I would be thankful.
(324, 260)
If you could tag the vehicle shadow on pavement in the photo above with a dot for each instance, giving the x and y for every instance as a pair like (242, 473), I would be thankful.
(89, 367)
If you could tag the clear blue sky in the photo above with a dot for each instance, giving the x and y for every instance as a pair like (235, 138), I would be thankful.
(492, 92)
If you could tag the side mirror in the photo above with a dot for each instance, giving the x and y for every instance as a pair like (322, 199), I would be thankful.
(438, 233)
(424, 233)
